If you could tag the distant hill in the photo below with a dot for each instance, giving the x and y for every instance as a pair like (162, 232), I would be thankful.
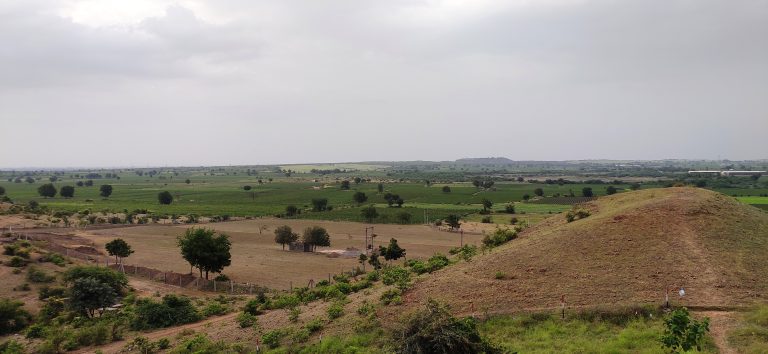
(486, 161)
(632, 246)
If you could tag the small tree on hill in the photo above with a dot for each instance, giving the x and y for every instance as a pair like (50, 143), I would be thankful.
(67, 191)
(284, 235)
(316, 236)
(487, 204)
(165, 197)
(393, 251)
(681, 333)
(118, 248)
(453, 221)
(47, 190)
(359, 197)
(610, 190)
(538, 192)
(205, 250)
(345, 184)
(361, 259)
(89, 295)
(105, 190)
(587, 192)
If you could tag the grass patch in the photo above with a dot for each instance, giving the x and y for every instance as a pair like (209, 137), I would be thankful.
(752, 335)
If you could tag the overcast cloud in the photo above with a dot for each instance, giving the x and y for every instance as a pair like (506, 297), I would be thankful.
(152, 83)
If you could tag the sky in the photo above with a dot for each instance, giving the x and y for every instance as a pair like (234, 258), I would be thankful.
(140, 83)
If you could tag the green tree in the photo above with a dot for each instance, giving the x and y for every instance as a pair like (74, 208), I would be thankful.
(291, 210)
(13, 317)
(610, 190)
(526, 197)
(487, 204)
(393, 251)
(374, 261)
(316, 236)
(105, 190)
(67, 191)
(634, 186)
(362, 259)
(344, 184)
(247, 188)
(359, 197)
(454, 221)
(165, 197)
(509, 208)
(89, 295)
(369, 213)
(2, 190)
(681, 333)
(587, 192)
(538, 192)
(118, 248)
(446, 189)
(187, 181)
(434, 330)
(319, 204)
(285, 235)
(47, 190)
(116, 280)
(380, 188)
(205, 250)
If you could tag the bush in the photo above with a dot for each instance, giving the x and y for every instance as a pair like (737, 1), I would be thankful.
(500, 275)
(12, 347)
(114, 279)
(17, 262)
(366, 309)
(435, 330)
(221, 277)
(396, 275)
(245, 320)
(272, 338)
(683, 333)
(13, 317)
(253, 307)
(38, 276)
(392, 297)
(499, 237)
(54, 258)
(576, 214)
(215, 309)
(465, 252)
(335, 310)
(300, 336)
(36, 330)
(314, 325)
(293, 314)
(173, 310)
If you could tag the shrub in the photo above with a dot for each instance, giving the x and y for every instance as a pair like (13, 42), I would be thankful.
(215, 309)
(114, 279)
(396, 275)
(465, 252)
(36, 330)
(373, 276)
(221, 277)
(253, 307)
(38, 276)
(12, 347)
(434, 330)
(300, 335)
(272, 338)
(17, 261)
(54, 258)
(13, 317)
(293, 314)
(576, 214)
(392, 297)
(499, 237)
(681, 333)
(173, 310)
(245, 320)
(500, 275)
(314, 325)
(366, 308)
(486, 220)
(335, 310)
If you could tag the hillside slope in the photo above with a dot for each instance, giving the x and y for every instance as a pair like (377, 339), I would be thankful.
(627, 252)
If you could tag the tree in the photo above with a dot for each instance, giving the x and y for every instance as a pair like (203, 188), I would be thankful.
(434, 330)
(610, 190)
(634, 186)
(2, 190)
(187, 181)
(487, 204)
(116, 280)
(118, 248)
(477, 183)
(67, 191)
(345, 184)
(285, 235)
(446, 189)
(399, 202)
(681, 333)
(453, 221)
(587, 192)
(358, 180)
(538, 192)
(291, 210)
(380, 187)
(361, 259)
(105, 190)
(316, 236)
(374, 261)
(319, 204)
(29, 180)
(79, 183)
(89, 183)
(526, 197)
(165, 197)
(53, 178)
(359, 197)
(247, 188)
(369, 213)
(205, 250)
(87, 295)
(393, 251)
(47, 190)
(509, 208)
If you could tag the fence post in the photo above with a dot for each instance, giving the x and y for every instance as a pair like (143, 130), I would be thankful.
(135, 269)
(165, 277)
(231, 287)
(214, 285)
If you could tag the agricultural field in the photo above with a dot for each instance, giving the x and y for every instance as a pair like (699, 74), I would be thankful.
(256, 258)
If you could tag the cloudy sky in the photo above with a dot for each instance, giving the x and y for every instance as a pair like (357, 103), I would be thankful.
(153, 82)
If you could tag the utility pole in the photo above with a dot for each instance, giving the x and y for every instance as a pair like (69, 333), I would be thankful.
(366, 238)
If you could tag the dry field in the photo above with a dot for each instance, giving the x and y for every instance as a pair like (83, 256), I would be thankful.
(256, 258)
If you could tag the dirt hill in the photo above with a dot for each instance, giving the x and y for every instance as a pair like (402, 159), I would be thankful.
(628, 251)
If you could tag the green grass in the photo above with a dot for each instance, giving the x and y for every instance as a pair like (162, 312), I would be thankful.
(550, 334)
(751, 336)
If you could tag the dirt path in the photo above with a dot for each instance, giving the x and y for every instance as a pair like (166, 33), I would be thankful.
(721, 322)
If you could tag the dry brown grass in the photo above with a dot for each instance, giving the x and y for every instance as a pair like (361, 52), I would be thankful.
(632, 247)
